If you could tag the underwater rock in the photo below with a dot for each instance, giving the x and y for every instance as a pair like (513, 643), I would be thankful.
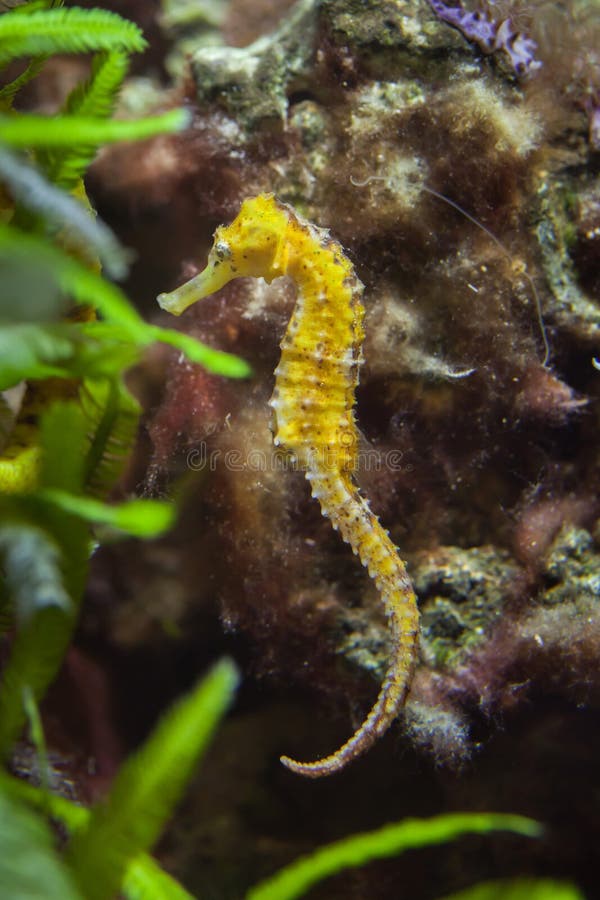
(463, 196)
(544, 647)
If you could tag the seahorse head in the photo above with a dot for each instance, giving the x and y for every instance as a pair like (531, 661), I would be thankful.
(252, 245)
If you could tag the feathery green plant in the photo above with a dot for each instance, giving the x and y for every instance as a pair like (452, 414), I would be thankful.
(73, 426)
(55, 475)
(35, 32)
(39, 131)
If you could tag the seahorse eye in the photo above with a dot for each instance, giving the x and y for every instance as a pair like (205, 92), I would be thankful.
(222, 250)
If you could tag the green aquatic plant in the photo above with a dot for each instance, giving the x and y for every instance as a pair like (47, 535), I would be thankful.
(33, 190)
(33, 130)
(29, 866)
(38, 29)
(127, 332)
(107, 847)
(519, 889)
(74, 428)
(45, 545)
(296, 879)
(130, 819)
(66, 337)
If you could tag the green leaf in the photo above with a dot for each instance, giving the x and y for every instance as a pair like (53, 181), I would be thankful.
(34, 351)
(140, 518)
(38, 738)
(148, 787)
(296, 879)
(83, 231)
(30, 290)
(214, 360)
(29, 130)
(20, 461)
(75, 279)
(65, 350)
(87, 287)
(44, 615)
(145, 880)
(10, 90)
(65, 31)
(95, 349)
(63, 440)
(112, 415)
(95, 97)
(520, 889)
(105, 351)
(29, 866)
(69, 814)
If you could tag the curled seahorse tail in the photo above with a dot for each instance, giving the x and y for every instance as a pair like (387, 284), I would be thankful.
(350, 513)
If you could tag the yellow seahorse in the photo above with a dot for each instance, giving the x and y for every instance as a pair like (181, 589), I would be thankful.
(313, 412)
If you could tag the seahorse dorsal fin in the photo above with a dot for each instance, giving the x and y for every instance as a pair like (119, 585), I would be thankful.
(282, 255)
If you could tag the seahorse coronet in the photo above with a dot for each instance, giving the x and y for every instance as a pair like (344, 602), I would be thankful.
(313, 414)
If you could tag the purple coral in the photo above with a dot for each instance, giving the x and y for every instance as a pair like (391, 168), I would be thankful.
(491, 34)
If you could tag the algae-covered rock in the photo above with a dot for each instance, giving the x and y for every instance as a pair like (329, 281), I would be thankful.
(460, 190)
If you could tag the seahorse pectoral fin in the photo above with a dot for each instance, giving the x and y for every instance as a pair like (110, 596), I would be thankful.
(209, 281)
(280, 258)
